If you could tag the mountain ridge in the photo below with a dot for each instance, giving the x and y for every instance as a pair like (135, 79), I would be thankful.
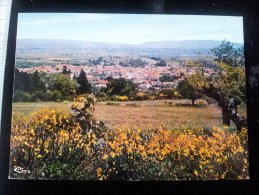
(59, 43)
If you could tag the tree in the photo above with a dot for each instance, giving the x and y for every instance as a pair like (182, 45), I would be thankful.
(65, 71)
(29, 87)
(21, 81)
(64, 85)
(121, 86)
(188, 91)
(84, 85)
(36, 83)
(227, 87)
(161, 63)
(228, 54)
(167, 78)
(229, 90)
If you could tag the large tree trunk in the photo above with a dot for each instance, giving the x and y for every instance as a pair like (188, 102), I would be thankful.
(226, 116)
(193, 100)
(229, 111)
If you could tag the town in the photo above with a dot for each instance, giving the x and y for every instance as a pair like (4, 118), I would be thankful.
(147, 75)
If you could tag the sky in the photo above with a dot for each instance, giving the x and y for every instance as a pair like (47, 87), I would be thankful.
(129, 28)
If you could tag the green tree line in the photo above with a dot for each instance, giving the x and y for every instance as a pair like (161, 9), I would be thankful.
(33, 87)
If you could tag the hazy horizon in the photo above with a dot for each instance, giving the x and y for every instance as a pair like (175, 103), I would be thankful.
(129, 28)
(124, 43)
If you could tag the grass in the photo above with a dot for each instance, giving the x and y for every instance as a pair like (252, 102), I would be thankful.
(153, 116)
(28, 107)
(144, 114)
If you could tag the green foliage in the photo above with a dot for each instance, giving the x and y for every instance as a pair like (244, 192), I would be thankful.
(65, 86)
(230, 81)
(169, 93)
(54, 95)
(187, 90)
(28, 87)
(28, 82)
(167, 78)
(161, 63)
(137, 62)
(65, 71)
(22, 96)
(121, 87)
(36, 82)
(84, 85)
(21, 81)
(227, 86)
(228, 54)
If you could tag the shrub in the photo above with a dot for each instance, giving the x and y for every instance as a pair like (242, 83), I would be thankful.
(123, 98)
(162, 96)
(54, 95)
(56, 144)
(187, 154)
(21, 96)
(141, 96)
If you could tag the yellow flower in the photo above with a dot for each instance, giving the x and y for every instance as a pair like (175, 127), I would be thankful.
(225, 127)
(39, 156)
(112, 154)
(105, 156)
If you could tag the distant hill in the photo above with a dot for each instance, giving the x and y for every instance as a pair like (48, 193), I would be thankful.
(58, 43)
(186, 44)
(61, 43)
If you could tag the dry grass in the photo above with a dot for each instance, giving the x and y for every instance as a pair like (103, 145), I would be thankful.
(147, 116)
(27, 108)
(143, 114)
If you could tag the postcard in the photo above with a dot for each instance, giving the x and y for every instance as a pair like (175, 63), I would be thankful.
(134, 97)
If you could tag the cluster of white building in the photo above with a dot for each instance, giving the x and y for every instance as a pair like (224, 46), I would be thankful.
(144, 77)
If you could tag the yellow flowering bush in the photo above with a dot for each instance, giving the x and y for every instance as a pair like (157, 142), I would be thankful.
(63, 144)
(141, 96)
(181, 155)
(123, 98)
(162, 96)
(56, 144)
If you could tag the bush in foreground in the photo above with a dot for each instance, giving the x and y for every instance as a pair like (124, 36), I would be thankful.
(58, 144)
